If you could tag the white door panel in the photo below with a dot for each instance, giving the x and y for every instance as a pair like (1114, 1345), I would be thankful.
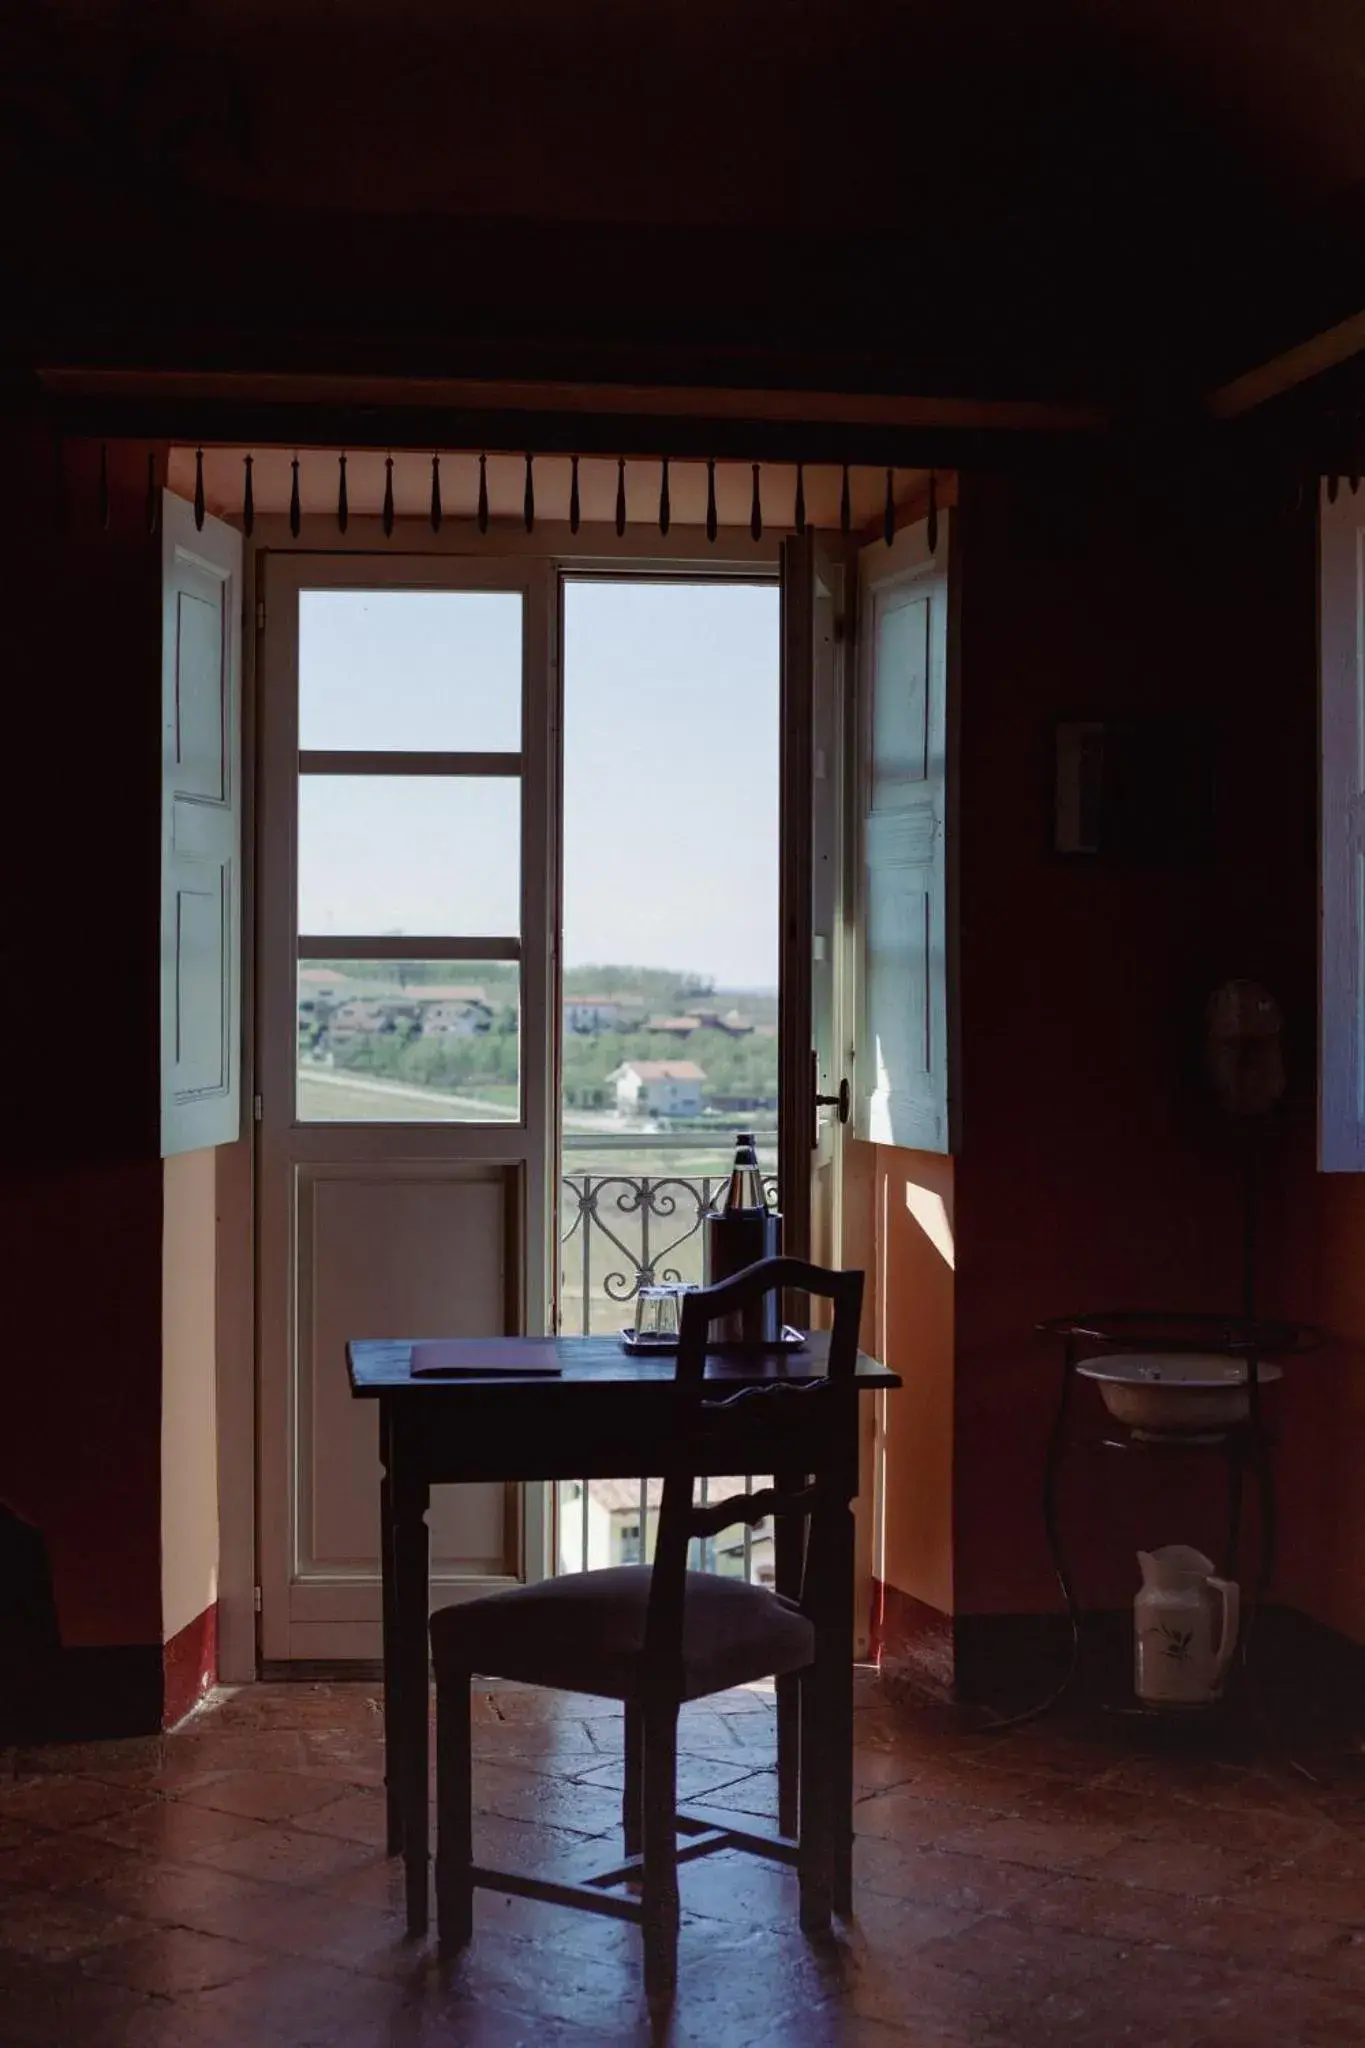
(399, 1254)
(369, 1224)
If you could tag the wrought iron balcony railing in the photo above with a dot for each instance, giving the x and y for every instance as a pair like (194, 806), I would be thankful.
(622, 1231)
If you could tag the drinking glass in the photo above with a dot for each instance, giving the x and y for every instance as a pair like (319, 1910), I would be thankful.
(658, 1314)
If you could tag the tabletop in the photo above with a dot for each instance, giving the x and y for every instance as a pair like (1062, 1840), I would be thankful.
(384, 1365)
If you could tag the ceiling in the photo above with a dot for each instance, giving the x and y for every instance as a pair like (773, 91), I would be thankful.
(1124, 200)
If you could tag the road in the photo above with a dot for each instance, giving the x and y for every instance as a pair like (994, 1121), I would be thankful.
(369, 1093)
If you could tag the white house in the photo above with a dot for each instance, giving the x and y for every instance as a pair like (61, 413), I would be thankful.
(658, 1087)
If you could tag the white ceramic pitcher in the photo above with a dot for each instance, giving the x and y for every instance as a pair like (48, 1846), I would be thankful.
(1184, 1628)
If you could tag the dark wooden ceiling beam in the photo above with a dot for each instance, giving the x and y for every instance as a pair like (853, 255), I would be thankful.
(965, 439)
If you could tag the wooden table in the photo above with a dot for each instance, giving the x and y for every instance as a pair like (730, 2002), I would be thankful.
(605, 1415)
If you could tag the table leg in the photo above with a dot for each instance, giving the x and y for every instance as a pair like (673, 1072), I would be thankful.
(1236, 1468)
(393, 1806)
(410, 1502)
(841, 1624)
(788, 1560)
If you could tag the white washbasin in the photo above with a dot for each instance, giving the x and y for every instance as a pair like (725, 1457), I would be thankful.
(1175, 1391)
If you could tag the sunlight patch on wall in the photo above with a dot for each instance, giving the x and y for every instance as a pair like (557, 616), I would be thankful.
(931, 1214)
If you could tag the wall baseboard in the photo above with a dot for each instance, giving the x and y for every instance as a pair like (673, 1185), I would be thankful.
(1303, 1670)
(912, 1644)
(189, 1664)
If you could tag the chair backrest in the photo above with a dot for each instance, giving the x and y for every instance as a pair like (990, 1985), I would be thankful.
(680, 1517)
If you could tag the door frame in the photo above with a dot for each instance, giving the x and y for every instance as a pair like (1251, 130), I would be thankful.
(594, 551)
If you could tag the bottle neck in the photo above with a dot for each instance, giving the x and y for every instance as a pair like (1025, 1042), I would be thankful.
(744, 1189)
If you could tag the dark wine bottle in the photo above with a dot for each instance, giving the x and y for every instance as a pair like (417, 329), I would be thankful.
(740, 1230)
(744, 1189)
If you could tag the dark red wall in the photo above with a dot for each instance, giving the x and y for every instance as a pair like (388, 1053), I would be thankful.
(80, 1193)
(1094, 1171)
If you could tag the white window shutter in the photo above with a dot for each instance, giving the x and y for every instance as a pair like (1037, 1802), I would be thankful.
(201, 830)
(1341, 642)
(903, 1041)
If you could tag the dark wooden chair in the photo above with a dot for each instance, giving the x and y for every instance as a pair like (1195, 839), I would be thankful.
(655, 1636)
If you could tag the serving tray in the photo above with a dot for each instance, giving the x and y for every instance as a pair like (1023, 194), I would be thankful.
(787, 1340)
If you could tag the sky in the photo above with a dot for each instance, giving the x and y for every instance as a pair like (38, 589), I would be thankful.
(670, 770)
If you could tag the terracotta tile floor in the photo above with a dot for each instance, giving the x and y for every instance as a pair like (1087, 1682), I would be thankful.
(226, 1884)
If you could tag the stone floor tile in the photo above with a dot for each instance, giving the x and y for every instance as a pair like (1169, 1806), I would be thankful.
(534, 1703)
(593, 1992)
(172, 1960)
(170, 1827)
(1336, 1857)
(975, 1883)
(55, 2006)
(1046, 1884)
(1194, 1870)
(554, 1802)
(698, 1777)
(64, 1801)
(187, 1895)
(547, 1745)
(1037, 1842)
(1133, 1914)
(54, 1928)
(754, 1794)
(357, 1816)
(832, 2026)
(1264, 1834)
(1286, 2012)
(262, 1795)
(108, 1760)
(206, 1747)
(285, 1856)
(1283, 1890)
(907, 1816)
(59, 1863)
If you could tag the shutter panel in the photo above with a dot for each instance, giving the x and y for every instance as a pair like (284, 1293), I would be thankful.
(903, 1047)
(201, 821)
(1341, 637)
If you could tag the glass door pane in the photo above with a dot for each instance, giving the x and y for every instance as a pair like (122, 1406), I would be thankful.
(425, 671)
(408, 856)
(670, 947)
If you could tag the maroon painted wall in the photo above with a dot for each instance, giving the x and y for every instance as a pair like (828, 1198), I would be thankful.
(1093, 1170)
(80, 1191)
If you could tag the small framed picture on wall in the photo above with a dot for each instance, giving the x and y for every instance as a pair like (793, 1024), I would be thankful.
(1133, 790)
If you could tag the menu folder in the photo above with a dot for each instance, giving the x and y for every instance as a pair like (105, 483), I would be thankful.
(485, 1358)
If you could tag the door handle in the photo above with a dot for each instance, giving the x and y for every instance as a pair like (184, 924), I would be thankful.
(841, 1103)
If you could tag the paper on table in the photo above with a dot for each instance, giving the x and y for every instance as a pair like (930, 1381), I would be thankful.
(485, 1358)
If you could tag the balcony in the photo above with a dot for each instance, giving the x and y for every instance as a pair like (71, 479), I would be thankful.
(625, 1226)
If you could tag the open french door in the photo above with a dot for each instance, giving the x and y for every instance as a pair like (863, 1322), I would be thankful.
(404, 890)
(820, 1171)
(407, 859)
(815, 1048)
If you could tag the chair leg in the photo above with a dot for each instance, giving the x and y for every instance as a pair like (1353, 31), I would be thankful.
(788, 1752)
(454, 1814)
(659, 1902)
(815, 1857)
(632, 1791)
